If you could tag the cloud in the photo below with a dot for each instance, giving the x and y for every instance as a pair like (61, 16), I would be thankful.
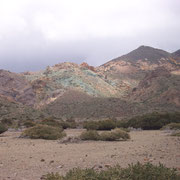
(37, 33)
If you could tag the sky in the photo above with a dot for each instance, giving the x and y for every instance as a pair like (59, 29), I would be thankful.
(38, 33)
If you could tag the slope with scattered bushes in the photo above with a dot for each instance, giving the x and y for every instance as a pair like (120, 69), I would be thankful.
(133, 172)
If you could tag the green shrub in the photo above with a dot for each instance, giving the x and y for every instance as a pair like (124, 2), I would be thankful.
(91, 125)
(29, 123)
(108, 136)
(59, 123)
(114, 135)
(3, 128)
(124, 129)
(106, 125)
(172, 126)
(121, 134)
(7, 121)
(51, 122)
(52, 176)
(100, 125)
(133, 172)
(44, 132)
(122, 124)
(151, 121)
(68, 124)
(90, 135)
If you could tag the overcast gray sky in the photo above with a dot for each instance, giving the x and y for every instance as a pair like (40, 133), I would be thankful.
(37, 33)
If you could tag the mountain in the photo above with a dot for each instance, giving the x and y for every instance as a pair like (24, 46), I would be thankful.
(16, 87)
(159, 88)
(132, 67)
(142, 81)
(176, 56)
(78, 105)
(14, 113)
(146, 53)
(53, 82)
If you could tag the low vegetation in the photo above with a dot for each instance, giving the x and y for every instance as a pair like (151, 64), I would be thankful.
(90, 135)
(176, 133)
(133, 172)
(29, 123)
(100, 125)
(3, 128)
(151, 121)
(114, 135)
(172, 126)
(44, 132)
(51, 122)
(68, 124)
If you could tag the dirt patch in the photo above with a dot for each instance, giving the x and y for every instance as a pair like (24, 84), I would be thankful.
(26, 159)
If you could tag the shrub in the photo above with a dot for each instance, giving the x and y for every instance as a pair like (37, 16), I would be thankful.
(108, 136)
(29, 123)
(68, 124)
(121, 134)
(3, 128)
(106, 125)
(52, 176)
(124, 129)
(90, 135)
(60, 123)
(133, 172)
(7, 121)
(51, 122)
(114, 135)
(172, 126)
(151, 121)
(100, 125)
(44, 132)
(91, 125)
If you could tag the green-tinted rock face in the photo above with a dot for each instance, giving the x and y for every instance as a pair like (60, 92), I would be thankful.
(54, 81)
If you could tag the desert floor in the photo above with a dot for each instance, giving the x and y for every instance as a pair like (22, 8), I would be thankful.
(27, 159)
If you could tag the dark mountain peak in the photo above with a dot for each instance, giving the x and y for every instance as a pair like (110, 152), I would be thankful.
(144, 53)
(145, 47)
(176, 53)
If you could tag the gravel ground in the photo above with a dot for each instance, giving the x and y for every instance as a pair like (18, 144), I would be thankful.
(27, 159)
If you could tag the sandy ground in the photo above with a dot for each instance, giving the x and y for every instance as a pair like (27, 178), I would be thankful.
(26, 159)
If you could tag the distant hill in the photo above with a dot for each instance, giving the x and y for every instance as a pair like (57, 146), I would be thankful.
(53, 82)
(146, 53)
(14, 113)
(16, 87)
(144, 80)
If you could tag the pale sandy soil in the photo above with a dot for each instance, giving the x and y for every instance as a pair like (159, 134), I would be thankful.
(26, 159)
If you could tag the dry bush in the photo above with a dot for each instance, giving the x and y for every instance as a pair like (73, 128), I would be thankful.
(44, 132)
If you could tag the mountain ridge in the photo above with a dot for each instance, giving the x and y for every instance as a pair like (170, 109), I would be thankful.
(144, 80)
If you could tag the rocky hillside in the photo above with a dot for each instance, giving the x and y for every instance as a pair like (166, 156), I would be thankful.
(14, 113)
(53, 82)
(144, 80)
(16, 87)
(159, 88)
(132, 67)
(147, 78)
